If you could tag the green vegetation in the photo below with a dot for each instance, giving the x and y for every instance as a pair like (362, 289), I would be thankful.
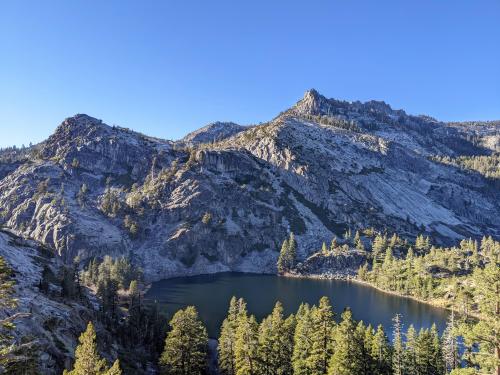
(108, 278)
(87, 359)
(309, 342)
(207, 218)
(487, 165)
(131, 225)
(288, 254)
(465, 278)
(186, 345)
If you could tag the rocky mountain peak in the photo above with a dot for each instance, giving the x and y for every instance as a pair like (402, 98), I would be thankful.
(214, 131)
(77, 124)
(313, 103)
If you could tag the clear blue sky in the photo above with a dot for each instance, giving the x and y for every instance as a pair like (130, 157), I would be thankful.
(168, 67)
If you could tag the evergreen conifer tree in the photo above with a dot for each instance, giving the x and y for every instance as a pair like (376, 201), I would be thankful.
(276, 343)
(186, 345)
(333, 244)
(227, 340)
(322, 341)
(283, 257)
(486, 331)
(247, 346)
(115, 369)
(324, 249)
(347, 358)
(304, 333)
(424, 353)
(410, 354)
(437, 363)
(381, 353)
(87, 358)
(398, 350)
(451, 357)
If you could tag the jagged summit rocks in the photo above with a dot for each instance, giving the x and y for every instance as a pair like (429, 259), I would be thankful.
(313, 103)
(224, 197)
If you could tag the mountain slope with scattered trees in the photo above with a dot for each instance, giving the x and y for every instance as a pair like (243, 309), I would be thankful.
(95, 212)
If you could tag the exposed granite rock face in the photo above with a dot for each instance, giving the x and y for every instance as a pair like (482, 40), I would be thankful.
(330, 265)
(213, 132)
(320, 167)
(53, 322)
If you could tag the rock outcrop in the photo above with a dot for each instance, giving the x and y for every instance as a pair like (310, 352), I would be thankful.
(319, 168)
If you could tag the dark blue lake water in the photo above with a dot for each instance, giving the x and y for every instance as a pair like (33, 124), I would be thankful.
(211, 294)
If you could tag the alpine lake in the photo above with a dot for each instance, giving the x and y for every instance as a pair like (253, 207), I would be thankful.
(210, 294)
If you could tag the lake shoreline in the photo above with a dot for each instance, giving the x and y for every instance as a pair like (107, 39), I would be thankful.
(354, 279)
(351, 278)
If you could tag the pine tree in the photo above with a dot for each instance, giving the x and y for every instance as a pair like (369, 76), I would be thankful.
(357, 237)
(394, 241)
(275, 343)
(272, 353)
(115, 369)
(304, 333)
(283, 257)
(398, 351)
(324, 249)
(422, 244)
(410, 354)
(87, 358)
(485, 332)
(381, 353)
(333, 244)
(347, 234)
(322, 341)
(347, 357)
(364, 350)
(24, 360)
(368, 345)
(424, 353)
(186, 345)
(363, 272)
(288, 254)
(227, 340)
(247, 345)
(436, 354)
(360, 246)
(287, 342)
(451, 357)
(379, 245)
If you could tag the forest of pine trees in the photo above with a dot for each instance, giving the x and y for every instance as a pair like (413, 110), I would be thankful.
(314, 341)
(310, 342)
(465, 278)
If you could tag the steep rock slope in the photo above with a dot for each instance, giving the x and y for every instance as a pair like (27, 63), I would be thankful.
(54, 322)
(320, 167)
